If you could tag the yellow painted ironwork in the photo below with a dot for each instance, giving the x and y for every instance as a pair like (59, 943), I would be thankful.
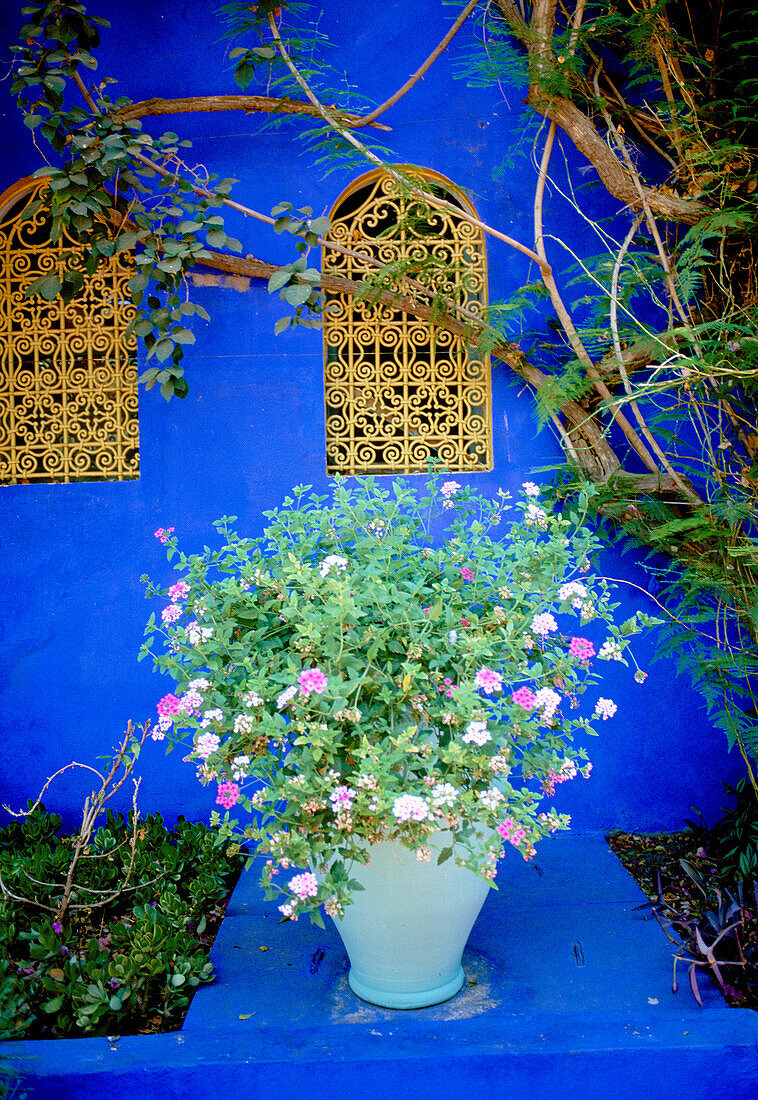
(398, 390)
(68, 373)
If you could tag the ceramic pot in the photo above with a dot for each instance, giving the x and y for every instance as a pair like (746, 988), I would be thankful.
(406, 930)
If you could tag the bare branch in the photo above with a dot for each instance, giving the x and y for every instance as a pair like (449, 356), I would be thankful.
(369, 118)
(250, 104)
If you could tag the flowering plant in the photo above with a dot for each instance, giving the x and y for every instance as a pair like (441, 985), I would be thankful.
(379, 666)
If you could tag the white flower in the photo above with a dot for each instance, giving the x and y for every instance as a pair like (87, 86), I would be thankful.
(448, 490)
(605, 708)
(191, 700)
(543, 624)
(206, 744)
(197, 633)
(252, 699)
(530, 489)
(288, 694)
(549, 701)
(200, 684)
(243, 723)
(443, 795)
(239, 768)
(535, 517)
(611, 650)
(491, 798)
(477, 732)
(215, 715)
(333, 561)
(575, 591)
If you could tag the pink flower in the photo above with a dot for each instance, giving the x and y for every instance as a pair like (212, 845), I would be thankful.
(228, 794)
(525, 698)
(506, 828)
(171, 613)
(581, 648)
(169, 705)
(179, 590)
(163, 534)
(341, 798)
(312, 679)
(488, 681)
(466, 573)
(304, 886)
(410, 807)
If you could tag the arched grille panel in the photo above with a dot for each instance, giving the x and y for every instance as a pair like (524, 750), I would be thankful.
(399, 391)
(68, 373)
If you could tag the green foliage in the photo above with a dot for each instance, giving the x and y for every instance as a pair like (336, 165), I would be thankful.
(132, 965)
(737, 833)
(348, 660)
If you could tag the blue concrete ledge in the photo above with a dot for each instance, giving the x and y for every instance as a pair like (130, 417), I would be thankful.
(568, 989)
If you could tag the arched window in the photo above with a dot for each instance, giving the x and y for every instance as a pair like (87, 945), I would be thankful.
(68, 374)
(399, 390)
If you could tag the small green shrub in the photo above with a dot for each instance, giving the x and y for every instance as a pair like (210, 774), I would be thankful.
(131, 965)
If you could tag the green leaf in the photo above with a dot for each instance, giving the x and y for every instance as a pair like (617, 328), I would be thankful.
(297, 295)
(138, 282)
(281, 325)
(163, 349)
(320, 226)
(278, 280)
(243, 74)
(182, 336)
(126, 240)
(48, 286)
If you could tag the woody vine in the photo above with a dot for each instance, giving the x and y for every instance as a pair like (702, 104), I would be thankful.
(648, 380)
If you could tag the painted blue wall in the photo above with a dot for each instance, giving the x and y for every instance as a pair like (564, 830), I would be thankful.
(71, 605)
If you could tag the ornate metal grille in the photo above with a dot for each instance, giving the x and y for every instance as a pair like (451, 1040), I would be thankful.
(399, 391)
(68, 374)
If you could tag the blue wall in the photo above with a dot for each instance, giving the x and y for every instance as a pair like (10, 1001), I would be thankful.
(71, 606)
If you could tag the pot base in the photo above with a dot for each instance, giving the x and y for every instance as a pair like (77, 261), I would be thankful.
(418, 998)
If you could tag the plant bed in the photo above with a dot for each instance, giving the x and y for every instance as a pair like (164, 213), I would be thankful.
(128, 964)
(702, 889)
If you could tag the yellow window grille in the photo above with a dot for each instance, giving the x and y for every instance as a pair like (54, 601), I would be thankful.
(68, 373)
(398, 390)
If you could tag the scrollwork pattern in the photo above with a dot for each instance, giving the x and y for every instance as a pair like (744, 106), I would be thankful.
(397, 392)
(68, 373)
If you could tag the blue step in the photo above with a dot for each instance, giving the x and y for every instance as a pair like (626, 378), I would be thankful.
(568, 991)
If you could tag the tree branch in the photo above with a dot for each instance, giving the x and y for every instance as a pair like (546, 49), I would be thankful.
(537, 40)
(393, 99)
(247, 103)
(588, 446)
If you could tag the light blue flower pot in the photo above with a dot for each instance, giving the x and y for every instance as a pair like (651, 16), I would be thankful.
(406, 930)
